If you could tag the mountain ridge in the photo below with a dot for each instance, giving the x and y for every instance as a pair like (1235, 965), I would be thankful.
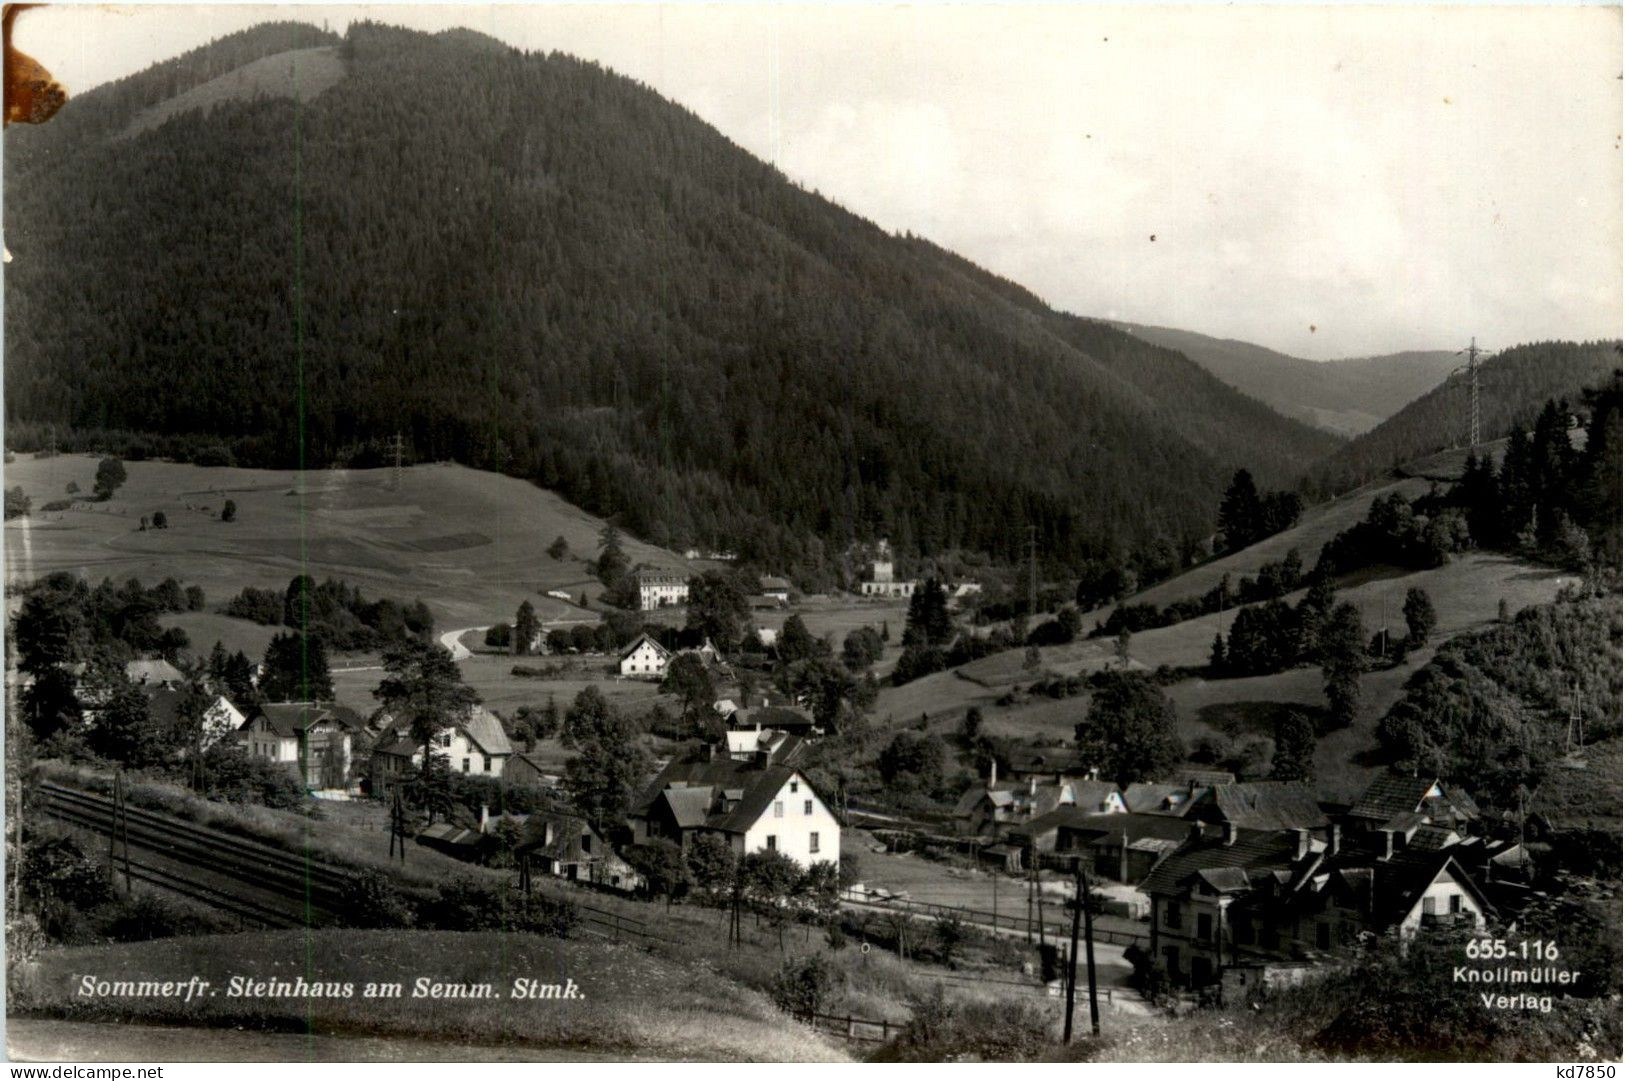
(1348, 396)
(547, 269)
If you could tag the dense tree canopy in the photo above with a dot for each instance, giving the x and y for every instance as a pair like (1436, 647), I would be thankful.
(582, 284)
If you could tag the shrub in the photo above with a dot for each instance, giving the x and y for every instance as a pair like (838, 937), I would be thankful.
(804, 985)
(147, 916)
(371, 899)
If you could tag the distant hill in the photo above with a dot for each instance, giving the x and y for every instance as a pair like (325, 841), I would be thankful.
(526, 263)
(1513, 385)
(1347, 397)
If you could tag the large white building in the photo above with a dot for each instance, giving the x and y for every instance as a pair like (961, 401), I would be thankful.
(661, 590)
(749, 792)
(882, 581)
(645, 659)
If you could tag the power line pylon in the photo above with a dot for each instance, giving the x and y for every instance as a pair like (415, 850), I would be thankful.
(1470, 369)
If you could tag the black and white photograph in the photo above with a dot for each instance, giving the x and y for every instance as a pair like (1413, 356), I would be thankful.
(1043, 533)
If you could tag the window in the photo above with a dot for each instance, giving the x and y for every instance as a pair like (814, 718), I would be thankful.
(445, 738)
(487, 763)
(1204, 927)
(1455, 904)
(806, 807)
(812, 842)
(794, 786)
(586, 844)
(772, 843)
(778, 808)
(465, 765)
(1170, 914)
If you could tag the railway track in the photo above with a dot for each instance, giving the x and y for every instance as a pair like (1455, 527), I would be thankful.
(247, 879)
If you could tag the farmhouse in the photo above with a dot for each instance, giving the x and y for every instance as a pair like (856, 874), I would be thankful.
(760, 801)
(645, 659)
(312, 736)
(776, 589)
(660, 589)
(565, 846)
(475, 746)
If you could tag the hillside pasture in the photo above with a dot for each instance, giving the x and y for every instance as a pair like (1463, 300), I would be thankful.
(625, 1002)
(471, 544)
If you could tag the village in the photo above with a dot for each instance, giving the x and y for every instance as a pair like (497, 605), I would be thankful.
(1199, 885)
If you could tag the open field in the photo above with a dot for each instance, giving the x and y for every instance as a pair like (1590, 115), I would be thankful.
(625, 1003)
(204, 629)
(471, 544)
(491, 675)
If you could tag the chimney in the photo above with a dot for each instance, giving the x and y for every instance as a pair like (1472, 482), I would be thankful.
(1229, 833)
(1032, 786)
(1334, 839)
(485, 816)
(1303, 842)
(1387, 844)
(992, 774)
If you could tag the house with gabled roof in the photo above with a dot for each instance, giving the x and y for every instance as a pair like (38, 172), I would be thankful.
(1395, 800)
(758, 801)
(1122, 847)
(313, 737)
(1162, 798)
(153, 673)
(1238, 897)
(564, 845)
(220, 718)
(644, 659)
(1262, 805)
(994, 807)
(476, 746)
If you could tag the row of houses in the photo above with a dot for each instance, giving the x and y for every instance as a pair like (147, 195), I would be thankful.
(664, 589)
(1242, 881)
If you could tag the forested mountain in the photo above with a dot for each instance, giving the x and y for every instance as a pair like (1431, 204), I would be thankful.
(530, 264)
(1347, 397)
(1513, 387)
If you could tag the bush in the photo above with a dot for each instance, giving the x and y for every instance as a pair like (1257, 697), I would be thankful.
(942, 1029)
(147, 916)
(235, 777)
(804, 985)
(371, 899)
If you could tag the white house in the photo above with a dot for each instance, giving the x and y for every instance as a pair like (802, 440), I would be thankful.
(757, 800)
(220, 718)
(645, 659)
(313, 737)
(477, 746)
(657, 589)
(776, 589)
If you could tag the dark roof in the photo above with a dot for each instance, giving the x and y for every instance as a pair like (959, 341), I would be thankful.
(719, 793)
(784, 718)
(1253, 851)
(1264, 805)
(1092, 828)
(289, 719)
(562, 841)
(1385, 889)
(1394, 793)
(1150, 798)
(775, 583)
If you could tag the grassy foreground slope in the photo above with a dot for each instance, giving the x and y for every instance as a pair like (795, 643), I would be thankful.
(471, 544)
(627, 1006)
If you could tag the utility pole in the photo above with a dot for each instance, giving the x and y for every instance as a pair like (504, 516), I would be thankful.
(1072, 952)
(1088, 946)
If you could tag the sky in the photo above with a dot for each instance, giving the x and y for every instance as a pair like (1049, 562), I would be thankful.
(1324, 181)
